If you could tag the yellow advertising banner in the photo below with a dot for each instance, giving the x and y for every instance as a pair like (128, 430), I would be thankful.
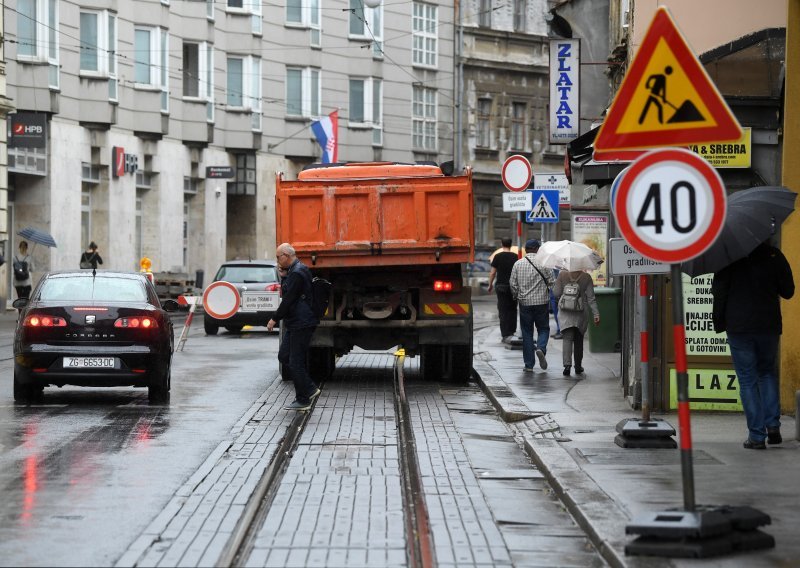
(727, 154)
(709, 389)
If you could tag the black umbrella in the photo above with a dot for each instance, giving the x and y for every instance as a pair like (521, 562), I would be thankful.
(37, 236)
(753, 216)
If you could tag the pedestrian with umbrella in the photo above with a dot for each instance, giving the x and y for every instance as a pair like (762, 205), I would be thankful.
(23, 266)
(750, 277)
(574, 290)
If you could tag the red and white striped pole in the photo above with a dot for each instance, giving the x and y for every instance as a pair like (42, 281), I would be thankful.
(192, 301)
(684, 418)
(519, 234)
(645, 349)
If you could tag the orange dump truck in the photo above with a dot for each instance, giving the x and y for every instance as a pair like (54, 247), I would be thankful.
(391, 238)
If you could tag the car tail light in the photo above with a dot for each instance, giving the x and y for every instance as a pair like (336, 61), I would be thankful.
(39, 320)
(273, 287)
(143, 322)
(442, 286)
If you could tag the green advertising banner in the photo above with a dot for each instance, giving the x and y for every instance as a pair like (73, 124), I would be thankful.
(709, 389)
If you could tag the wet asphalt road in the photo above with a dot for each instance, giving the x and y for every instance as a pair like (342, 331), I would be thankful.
(86, 472)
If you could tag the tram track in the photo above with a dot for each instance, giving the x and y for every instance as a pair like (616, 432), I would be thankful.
(419, 542)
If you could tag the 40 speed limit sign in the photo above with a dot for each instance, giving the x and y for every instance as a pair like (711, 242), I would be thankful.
(671, 205)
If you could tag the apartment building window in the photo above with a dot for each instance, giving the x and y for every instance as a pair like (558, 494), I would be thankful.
(366, 96)
(424, 28)
(144, 180)
(252, 7)
(484, 122)
(306, 14)
(98, 48)
(624, 13)
(210, 9)
(367, 24)
(90, 173)
(483, 221)
(151, 61)
(485, 14)
(518, 112)
(244, 85)
(86, 217)
(37, 35)
(198, 74)
(245, 181)
(520, 11)
(32, 161)
(303, 91)
(423, 118)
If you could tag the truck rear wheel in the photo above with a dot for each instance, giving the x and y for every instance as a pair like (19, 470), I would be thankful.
(457, 363)
(430, 362)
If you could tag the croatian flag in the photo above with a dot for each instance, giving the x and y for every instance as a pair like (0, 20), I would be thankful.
(326, 131)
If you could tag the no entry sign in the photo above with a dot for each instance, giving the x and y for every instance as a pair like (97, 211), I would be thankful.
(221, 300)
(670, 205)
(517, 173)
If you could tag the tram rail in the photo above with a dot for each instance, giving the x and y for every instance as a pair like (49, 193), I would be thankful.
(419, 542)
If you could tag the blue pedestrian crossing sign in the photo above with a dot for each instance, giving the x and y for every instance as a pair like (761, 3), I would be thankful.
(545, 206)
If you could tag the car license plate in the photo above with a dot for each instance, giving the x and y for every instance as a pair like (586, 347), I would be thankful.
(90, 362)
(260, 301)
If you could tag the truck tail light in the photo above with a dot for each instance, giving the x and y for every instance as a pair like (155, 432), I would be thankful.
(39, 320)
(442, 286)
(143, 322)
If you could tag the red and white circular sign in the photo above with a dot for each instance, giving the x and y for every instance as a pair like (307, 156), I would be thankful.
(517, 173)
(221, 300)
(670, 205)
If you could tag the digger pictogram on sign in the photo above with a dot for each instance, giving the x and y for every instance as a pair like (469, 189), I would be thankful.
(666, 97)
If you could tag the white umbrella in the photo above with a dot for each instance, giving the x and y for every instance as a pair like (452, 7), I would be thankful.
(568, 255)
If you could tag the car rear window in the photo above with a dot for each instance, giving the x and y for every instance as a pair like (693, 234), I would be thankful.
(87, 289)
(246, 274)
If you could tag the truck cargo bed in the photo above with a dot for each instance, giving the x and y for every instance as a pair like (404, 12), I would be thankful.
(354, 217)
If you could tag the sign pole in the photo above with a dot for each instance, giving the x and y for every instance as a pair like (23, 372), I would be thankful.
(519, 234)
(645, 348)
(684, 419)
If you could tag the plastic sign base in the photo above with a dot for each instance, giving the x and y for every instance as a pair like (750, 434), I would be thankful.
(705, 532)
(638, 433)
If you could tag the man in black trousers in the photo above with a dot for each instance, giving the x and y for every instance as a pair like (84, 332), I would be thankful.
(502, 263)
(299, 322)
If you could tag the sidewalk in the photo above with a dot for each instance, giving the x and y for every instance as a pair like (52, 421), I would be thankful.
(570, 436)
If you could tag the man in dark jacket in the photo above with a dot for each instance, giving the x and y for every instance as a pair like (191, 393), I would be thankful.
(747, 305)
(299, 323)
(502, 263)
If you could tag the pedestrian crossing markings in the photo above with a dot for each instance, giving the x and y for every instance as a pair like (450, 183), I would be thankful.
(543, 209)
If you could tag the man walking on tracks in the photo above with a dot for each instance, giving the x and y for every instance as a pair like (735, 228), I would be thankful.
(530, 285)
(299, 322)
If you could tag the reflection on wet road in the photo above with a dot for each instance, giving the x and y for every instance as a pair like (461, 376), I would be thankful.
(85, 470)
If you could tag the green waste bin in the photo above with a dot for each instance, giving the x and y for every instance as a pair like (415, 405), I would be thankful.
(607, 337)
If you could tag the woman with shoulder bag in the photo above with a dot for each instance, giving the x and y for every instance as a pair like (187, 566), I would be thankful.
(90, 258)
(575, 292)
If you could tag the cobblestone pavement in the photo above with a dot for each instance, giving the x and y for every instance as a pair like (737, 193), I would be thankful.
(339, 502)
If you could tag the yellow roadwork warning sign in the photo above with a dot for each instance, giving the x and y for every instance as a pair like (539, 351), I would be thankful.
(666, 97)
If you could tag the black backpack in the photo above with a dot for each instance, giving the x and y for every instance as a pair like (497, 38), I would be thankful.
(21, 269)
(320, 296)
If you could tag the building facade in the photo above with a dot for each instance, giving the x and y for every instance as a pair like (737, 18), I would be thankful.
(505, 77)
(138, 98)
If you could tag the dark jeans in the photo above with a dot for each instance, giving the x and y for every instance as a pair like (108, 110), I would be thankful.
(573, 340)
(506, 309)
(23, 291)
(293, 353)
(754, 357)
(529, 316)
